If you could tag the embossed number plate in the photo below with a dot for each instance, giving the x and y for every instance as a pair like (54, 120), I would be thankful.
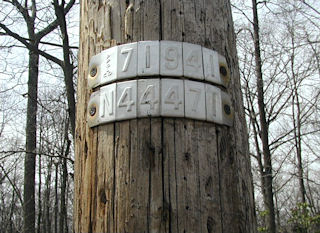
(159, 97)
(154, 58)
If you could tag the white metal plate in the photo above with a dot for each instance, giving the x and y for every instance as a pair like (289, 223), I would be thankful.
(154, 97)
(172, 98)
(127, 60)
(126, 102)
(152, 58)
(93, 107)
(106, 65)
(213, 104)
(192, 61)
(211, 66)
(195, 100)
(171, 58)
(148, 97)
(148, 58)
(107, 112)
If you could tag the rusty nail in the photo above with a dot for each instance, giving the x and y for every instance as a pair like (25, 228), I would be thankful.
(93, 71)
(227, 109)
(93, 110)
(223, 70)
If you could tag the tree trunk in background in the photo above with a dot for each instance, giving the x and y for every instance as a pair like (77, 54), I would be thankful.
(296, 119)
(39, 217)
(63, 209)
(267, 174)
(161, 174)
(67, 66)
(47, 217)
(56, 203)
(31, 145)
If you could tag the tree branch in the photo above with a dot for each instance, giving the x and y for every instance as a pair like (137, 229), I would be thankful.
(9, 153)
(42, 42)
(55, 23)
(16, 190)
(21, 9)
(242, 12)
(30, 46)
(311, 7)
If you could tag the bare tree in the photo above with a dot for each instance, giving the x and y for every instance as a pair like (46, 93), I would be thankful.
(289, 69)
(264, 128)
(29, 13)
(57, 153)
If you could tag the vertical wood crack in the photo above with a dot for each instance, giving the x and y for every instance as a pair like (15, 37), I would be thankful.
(116, 147)
(149, 178)
(175, 170)
(160, 27)
(128, 22)
(219, 174)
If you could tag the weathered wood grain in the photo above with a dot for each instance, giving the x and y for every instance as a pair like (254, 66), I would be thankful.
(161, 174)
(169, 177)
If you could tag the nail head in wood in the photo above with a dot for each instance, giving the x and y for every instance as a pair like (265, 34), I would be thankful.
(93, 110)
(93, 72)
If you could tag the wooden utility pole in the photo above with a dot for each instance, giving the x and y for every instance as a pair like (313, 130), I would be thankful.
(161, 174)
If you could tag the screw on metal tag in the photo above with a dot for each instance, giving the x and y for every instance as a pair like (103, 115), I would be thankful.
(224, 70)
(93, 109)
(227, 109)
(93, 71)
(228, 112)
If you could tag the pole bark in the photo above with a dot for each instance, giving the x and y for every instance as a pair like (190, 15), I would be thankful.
(161, 174)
